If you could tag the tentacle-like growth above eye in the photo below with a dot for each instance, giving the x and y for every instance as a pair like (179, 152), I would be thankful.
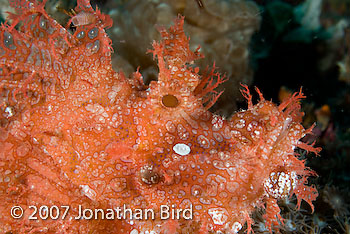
(174, 56)
(206, 88)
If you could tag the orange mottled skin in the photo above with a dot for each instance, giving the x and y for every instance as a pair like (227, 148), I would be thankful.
(74, 132)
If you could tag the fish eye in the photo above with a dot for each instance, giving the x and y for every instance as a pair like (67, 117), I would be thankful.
(170, 100)
(149, 175)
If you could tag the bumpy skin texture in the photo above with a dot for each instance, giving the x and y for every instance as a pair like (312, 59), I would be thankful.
(74, 132)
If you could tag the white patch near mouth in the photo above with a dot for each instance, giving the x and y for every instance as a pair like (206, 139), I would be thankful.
(182, 149)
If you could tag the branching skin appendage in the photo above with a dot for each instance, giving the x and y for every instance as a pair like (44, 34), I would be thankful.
(76, 133)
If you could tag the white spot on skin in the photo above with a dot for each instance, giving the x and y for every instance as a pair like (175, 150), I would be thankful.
(240, 124)
(217, 123)
(236, 227)
(9, 112)
(182, 132)
(218, 137)
(279, 184)
(170, 126)
(218, 215)
(203, 141)
(182, 149)
(87, 191)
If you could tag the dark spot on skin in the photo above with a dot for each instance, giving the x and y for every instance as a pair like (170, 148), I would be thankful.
(8, 40)
(81, 35)
(170, 101)
(93, 33)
